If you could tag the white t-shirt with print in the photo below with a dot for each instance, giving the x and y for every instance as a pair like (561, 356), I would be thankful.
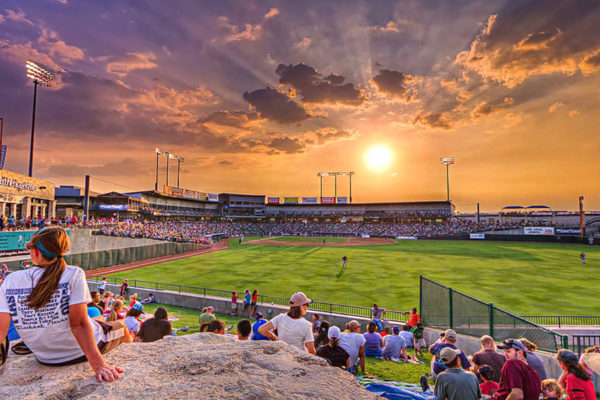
(47, 331)
(295, 332)
(351, 342)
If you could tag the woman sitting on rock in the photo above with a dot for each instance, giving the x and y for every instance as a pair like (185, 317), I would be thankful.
(291, 327)
(47, 304)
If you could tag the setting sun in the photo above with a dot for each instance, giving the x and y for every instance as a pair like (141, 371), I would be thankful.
(378, 157)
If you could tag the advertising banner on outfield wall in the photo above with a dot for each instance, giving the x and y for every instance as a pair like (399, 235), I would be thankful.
(538, 230)
(13, 243)
(567, 231)
(477, 236)
(291, 200)
(342, 200)
(272, 200)
(309, 200)
(327, 200)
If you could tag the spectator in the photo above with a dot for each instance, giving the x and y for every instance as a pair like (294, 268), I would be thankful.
(386, 331)
(151, 299)
(115, 311)
(244, 328)
(413, 318)
(253, 302)
(102, 286)
(489, 386)
(394, 346)
(418, 338)
(533, 359)
(354, 343)
(575, 380)
(378, 313)
(455, 383)
(132, 319)
(133, 299)
(207, 315)
(373, 341)
(155, 328)
(96, 301)
(30, 293)
(438, 365)
(518, 379)
(316, 323)
(332, 352)
(551, 390)
(291, 327)
(233, 303)
(489, 356)
(217, 327)
(125, 288)
(259, 321)
(322, 337)
(407, 335)
(247, 298)
(3, 273)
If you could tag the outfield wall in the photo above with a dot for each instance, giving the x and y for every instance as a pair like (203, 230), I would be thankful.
(469, 345)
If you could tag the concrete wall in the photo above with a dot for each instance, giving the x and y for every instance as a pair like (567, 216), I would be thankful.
(82, 241)
(222, 305)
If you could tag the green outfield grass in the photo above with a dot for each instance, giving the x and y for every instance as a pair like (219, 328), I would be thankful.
(314, 239)
(524, 278)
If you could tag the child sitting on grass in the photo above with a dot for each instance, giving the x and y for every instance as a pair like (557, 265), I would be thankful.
(551, 390)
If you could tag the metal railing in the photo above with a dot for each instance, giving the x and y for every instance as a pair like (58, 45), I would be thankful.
(560, 320)
(324, 307)
(581, 342)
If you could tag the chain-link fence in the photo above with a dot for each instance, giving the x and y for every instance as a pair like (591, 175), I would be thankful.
(443, 307)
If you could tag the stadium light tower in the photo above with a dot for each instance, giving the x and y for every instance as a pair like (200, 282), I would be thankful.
(447, 161)
(158, 153)
(40, 77)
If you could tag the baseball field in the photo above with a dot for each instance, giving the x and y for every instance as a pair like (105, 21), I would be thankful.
(524, 278)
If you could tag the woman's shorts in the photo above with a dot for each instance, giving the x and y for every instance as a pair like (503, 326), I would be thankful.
(234, 306)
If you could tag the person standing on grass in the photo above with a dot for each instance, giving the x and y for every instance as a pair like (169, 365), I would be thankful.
(233, 303)
(419, 340)
(344, 263)
(582, 256)
(253, 302)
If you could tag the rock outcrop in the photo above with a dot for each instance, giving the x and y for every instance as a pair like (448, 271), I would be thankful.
(199, 366)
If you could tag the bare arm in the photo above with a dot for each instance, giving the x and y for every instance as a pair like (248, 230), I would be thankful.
(310, 346)
(361, 357)
(265, 330)
(562, 381)
(515, 394)
(4, 325)
(80, 326)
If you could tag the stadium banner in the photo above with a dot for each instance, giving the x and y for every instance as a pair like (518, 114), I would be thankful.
(291, 200)
(201, 196)
(213, 197)
(2, 156)
(538, 230)
(272, 200)
(365, 235)
(342, 200)
(189, 194)
(327, 200)
(176, 192)
(13, 243)
(112, 207)
(563, 213)
(477, 236)
(406, 237)
(167, 190)
(567, 231)
(309, 200)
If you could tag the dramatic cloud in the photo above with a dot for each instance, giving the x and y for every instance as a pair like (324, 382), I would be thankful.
(488, 108)
(396, 84)
(272, 12)
(312, 88)
(18, 16)
(123, 65)
(58, 49)
(287, 145)
(552, 109)
(389, 27)
(327, 135)
(433, 120)
(236, 119)
(236, 33)
(275, 106)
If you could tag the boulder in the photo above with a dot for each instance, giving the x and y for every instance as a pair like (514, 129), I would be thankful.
(203, 365)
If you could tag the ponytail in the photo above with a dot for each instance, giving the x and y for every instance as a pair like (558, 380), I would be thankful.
(114, 312)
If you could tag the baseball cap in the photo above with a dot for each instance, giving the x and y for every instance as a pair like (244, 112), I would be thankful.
(512, 344)
(334, 333)
(299, 299)
(258, 315)
(450, 334)
(567, 357)
(138, 306)
(396, 330)
(448, 354)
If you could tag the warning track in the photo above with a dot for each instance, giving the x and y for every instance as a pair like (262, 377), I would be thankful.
(349, 242)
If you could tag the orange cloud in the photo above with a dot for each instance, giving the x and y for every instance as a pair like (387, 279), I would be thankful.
(123, 65)
(552, 109)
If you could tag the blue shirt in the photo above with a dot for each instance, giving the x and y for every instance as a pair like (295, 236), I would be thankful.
(93, 312)
(255, 326)
(247, 298)
(438, 365)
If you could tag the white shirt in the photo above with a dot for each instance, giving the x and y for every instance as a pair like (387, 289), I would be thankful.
(351, 342)
(102, 285)
(408, 337)
(294, 332)
(132, 324)
(47, 331)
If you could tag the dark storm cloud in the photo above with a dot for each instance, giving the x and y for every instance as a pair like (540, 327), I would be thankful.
(313, 88)
(287, 145)
(328, 135)
(276, 106)
(395, 83)
(433, 120)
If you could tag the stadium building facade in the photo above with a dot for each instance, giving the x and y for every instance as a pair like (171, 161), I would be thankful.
(22, 196)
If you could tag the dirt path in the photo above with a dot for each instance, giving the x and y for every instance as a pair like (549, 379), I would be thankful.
(350, 242)
(144, 263)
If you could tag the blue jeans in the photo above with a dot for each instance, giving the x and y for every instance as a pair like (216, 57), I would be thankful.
(373, 353)
(379, 324)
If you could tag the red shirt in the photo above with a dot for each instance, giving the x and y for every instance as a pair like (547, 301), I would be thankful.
(489, 388)
(413, 319)
(384, 334)
(517, 374)
(578, 389)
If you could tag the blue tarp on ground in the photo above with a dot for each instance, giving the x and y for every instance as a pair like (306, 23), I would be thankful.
(395, 390)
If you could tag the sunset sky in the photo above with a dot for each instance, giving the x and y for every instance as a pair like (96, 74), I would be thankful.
(259, 96)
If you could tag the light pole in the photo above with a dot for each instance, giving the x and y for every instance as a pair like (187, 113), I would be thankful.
(40, 77)
(158, 153)
(179, 161)
(447, 161)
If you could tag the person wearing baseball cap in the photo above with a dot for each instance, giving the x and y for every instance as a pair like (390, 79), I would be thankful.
(259, 321)
(332, 352)
(394, 346)
(291, 327)
(455, 383)
(449, 340)
(518, 380)
(354, 343)
(577, 382)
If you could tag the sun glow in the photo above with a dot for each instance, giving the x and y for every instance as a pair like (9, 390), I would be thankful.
(378, 157)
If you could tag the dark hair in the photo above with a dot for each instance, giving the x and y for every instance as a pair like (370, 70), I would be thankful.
(56, 241)
(486, 372)
(316, 315)
(322, 334)
(295, 312)
(160, 314)
(334, 342)
(93, 294)
(372, 327)
(212, 326)
(406, 327)
(574, 367)
(244, 328)
(254, 292)
(133, 312)
(414, 310)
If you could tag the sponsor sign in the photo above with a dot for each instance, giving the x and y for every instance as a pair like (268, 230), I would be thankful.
(309, 200)
(342, 200)
(406, 237)
(112, 207)
(15, 184)
(327, 200)
(291, 200)
(477, 236)
(167, 190)
(176, 192)
(365, 236)
(538, 230)
(272, 200)
(13, 243)
(567, 231)
(213, 197)
(25, 264)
